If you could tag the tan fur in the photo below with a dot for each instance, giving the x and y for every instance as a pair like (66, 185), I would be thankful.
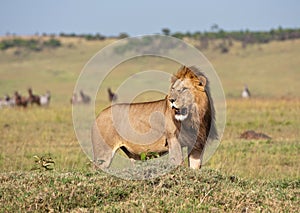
(154, 126)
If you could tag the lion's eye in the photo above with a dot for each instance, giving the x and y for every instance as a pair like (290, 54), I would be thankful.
(184, 88)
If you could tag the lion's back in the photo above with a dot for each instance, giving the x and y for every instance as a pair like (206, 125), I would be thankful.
(137, 123)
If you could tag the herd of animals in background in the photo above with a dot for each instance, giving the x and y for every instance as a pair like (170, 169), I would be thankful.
(83, 98)
(24, 101)
(44, 100)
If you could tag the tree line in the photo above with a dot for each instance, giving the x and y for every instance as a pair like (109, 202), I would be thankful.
(91, 36)
(279, 34)
(246, 37)
(242, 35)
(31, 44)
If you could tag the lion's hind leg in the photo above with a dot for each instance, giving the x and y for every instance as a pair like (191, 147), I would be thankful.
(102, 153)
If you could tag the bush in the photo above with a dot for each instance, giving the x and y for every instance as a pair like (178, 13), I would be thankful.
(31, 44)
(6, 44)
(52, 43)
(246, 37)
(123, 35)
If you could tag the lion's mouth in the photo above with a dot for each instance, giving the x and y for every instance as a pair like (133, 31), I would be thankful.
(182, 111)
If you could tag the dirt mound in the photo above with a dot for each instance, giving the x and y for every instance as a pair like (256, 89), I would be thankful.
(250, 134)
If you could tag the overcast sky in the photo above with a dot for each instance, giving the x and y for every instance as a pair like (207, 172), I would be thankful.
(138, 17)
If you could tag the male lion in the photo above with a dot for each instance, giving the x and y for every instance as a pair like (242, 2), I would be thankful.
(185, 117)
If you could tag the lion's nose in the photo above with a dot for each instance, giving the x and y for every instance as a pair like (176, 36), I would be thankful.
(172, 100)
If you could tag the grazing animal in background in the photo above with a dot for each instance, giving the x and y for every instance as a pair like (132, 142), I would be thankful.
(19, 100)
(74, 99)
(7, 101)
(84, 97)
(33, 99)
(184, 118)
(45, 99)
(246, 92)
(111, 96)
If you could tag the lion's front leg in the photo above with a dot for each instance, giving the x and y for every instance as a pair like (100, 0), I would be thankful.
(175, 151)
(195, 159)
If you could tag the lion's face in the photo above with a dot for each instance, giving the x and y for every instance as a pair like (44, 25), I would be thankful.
(181, 99)
(183, 95)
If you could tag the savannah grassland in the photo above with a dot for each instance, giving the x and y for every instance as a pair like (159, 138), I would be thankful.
(243, 175)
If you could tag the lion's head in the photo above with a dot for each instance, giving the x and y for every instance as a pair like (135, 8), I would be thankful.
(189, 93)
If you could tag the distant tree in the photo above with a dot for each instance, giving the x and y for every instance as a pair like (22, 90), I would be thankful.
(123, 35)
(188, 34)
(98, 36)
(166, 31)
(32, 44)
(178, 35)
(52, 43)
(196, 35)
(214, 27)
(89, 37)
(6, 44)
(221, 34)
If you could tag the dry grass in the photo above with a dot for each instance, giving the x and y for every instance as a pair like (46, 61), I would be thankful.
(41, 132)
(49, 132)
(267, 159)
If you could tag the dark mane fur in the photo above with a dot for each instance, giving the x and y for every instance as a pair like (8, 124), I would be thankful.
(194, 73)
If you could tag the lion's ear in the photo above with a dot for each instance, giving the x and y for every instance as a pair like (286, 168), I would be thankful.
(173, 79)
(202, 82)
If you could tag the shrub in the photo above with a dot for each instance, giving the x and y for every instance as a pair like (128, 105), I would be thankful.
(52, 43)
(31, 44)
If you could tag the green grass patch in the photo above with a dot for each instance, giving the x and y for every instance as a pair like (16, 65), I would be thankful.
(183, 190)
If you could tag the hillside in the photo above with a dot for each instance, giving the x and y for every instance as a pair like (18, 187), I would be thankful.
(263, 67)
